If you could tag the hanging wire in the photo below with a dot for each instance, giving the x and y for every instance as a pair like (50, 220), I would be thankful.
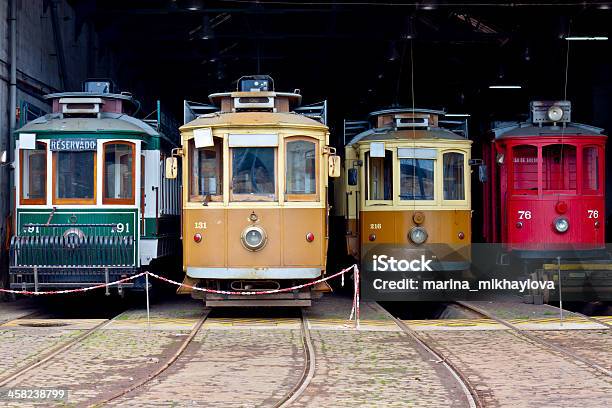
(414, 163)
(565, 82)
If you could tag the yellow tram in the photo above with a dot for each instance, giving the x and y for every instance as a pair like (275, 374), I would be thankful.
(255, 195)
(406, 185)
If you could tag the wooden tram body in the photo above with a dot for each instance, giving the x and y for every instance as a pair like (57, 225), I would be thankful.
(91, 204)
(545, 192)
(254, 196)
(408, 174)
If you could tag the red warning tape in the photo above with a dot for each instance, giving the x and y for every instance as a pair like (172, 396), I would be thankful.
(354, 311)
(61, 292)
(251, 293)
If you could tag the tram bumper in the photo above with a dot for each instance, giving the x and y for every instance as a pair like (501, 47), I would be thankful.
(253, 273)
(57, 262)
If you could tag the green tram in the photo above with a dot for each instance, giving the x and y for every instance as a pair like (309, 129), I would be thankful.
(91, 203)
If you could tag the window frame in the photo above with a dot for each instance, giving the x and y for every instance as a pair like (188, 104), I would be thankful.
(122, 201)
(541, 188)
(466, 191)
(82, 201)
(309, 196)
(248, 198)
(32, 201)
(366, 181)
(599, 171)
(191, 152)
(436, 201)
(520, 191)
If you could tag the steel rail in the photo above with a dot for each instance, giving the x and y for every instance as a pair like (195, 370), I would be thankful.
(468, 389)
(308, 371)
(160, 370)
(520, 332)
(53, 352)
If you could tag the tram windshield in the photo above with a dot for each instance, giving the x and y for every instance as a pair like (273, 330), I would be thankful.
(590, 168)
(253, 174)
(301, 167)
(206, 175)
(74, 176)
(454, 184)
(559, 167)
(380, 177)
(525, 169)
(119, 172)
(34, 174)
(416, 179)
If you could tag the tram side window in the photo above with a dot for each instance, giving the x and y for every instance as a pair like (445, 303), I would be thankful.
(34, 175)
(380, 177)
(416, 179)
(454, 185)
(119, 173)
(206, 175)
(525, 169)
(301, 176)
(559, 167)
(75, 176)
(253, 174)
(590, 169)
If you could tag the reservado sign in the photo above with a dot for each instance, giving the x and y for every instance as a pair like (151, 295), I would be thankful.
(73, 145)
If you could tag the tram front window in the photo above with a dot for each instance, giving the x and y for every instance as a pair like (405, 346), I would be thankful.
(206, 175)
(559, 167)
(525, 169)
(454, 186)
(74, 177)
(380, 177)
(416, 179)
(300, 174)
(253, 174)
(34, 175)
(590, 169)
(119, 172)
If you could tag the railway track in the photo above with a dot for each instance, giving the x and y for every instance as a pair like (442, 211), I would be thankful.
(472, 397)
(468, 389)
(161, 369)
(547, 344)
(287, 400)
(47, 356)
(309, 368)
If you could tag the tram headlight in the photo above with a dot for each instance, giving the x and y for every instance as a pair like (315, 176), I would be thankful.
(561, 224)
(253, 238)
(418, 235)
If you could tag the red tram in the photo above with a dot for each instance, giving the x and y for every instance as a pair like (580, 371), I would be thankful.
(544, 191)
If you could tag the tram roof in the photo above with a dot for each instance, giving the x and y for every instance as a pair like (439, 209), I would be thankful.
(405, 110)
(107, 122)
(405, 134)
(219, 119)
(528, 129)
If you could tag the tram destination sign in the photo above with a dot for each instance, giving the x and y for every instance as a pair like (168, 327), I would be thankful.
(73, 145)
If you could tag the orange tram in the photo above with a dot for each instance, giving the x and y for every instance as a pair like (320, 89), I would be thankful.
(255, 179)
